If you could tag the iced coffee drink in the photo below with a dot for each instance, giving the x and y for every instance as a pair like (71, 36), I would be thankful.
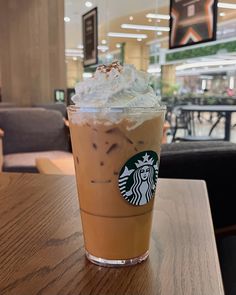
(116, 130)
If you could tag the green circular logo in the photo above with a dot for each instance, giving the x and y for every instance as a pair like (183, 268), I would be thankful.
(138, 178)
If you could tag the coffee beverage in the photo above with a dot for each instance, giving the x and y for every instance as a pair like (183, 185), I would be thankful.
(116, 152)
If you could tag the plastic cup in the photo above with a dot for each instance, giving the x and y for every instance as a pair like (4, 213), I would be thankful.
(116, 154)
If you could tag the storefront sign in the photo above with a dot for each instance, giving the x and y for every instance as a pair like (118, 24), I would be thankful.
(192, 22)
(90, 37)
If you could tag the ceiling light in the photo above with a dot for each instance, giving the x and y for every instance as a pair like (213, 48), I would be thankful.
(158, 20)
(160, 16)
(153, 70)
(226, 5)
(74, 52)
(147, 28)
(88, 4)
(87, 75)
(103, 48)
(118, 45)
(66, 19)
(126, 35)
(131, 18)
(75, 58)
(205, 64)
(159, 33)
(222, 14)
(139, 39)
(104, 42)
(149, 20)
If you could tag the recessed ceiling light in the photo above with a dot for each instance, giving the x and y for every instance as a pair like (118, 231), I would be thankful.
(66, 19)
(88, 4)
(222, 14)
(74, 52)
(126, 35)
(131, 18)
(159, 33)
(75, 58)
(158, 20)
(118, 45)
(153, 70)
(149, 20)
(103, 48)
(160, 16)
(226, 5)
(104, 41)
(147, 28)
(87, 75)
(139, 39)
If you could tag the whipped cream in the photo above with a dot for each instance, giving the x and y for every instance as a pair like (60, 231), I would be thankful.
(116, 86)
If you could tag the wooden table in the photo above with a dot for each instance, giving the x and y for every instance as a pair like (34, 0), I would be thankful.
(41, 242)
(226, 109)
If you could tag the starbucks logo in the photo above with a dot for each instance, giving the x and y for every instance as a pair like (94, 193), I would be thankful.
(138, 178)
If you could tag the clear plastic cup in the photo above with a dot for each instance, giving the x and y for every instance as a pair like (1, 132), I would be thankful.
(117, 154)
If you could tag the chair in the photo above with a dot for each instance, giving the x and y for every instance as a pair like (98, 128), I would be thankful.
(227, 257)
(30, 133)
(181, 122)
(60, 107)
(212, 161)
(7, 105)
(185, 120)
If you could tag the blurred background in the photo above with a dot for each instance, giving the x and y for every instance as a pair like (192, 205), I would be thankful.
(42, 48)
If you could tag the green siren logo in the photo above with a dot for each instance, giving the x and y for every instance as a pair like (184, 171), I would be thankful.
(138, 178)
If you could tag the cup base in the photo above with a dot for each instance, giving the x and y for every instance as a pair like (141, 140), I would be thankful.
(116, 262)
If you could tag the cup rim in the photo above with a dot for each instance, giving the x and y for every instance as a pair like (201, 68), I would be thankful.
(156, 108)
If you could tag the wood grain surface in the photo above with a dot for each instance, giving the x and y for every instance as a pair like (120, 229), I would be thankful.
(41, 242)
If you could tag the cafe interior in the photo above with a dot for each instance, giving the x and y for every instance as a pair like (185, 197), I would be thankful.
(187, 49)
